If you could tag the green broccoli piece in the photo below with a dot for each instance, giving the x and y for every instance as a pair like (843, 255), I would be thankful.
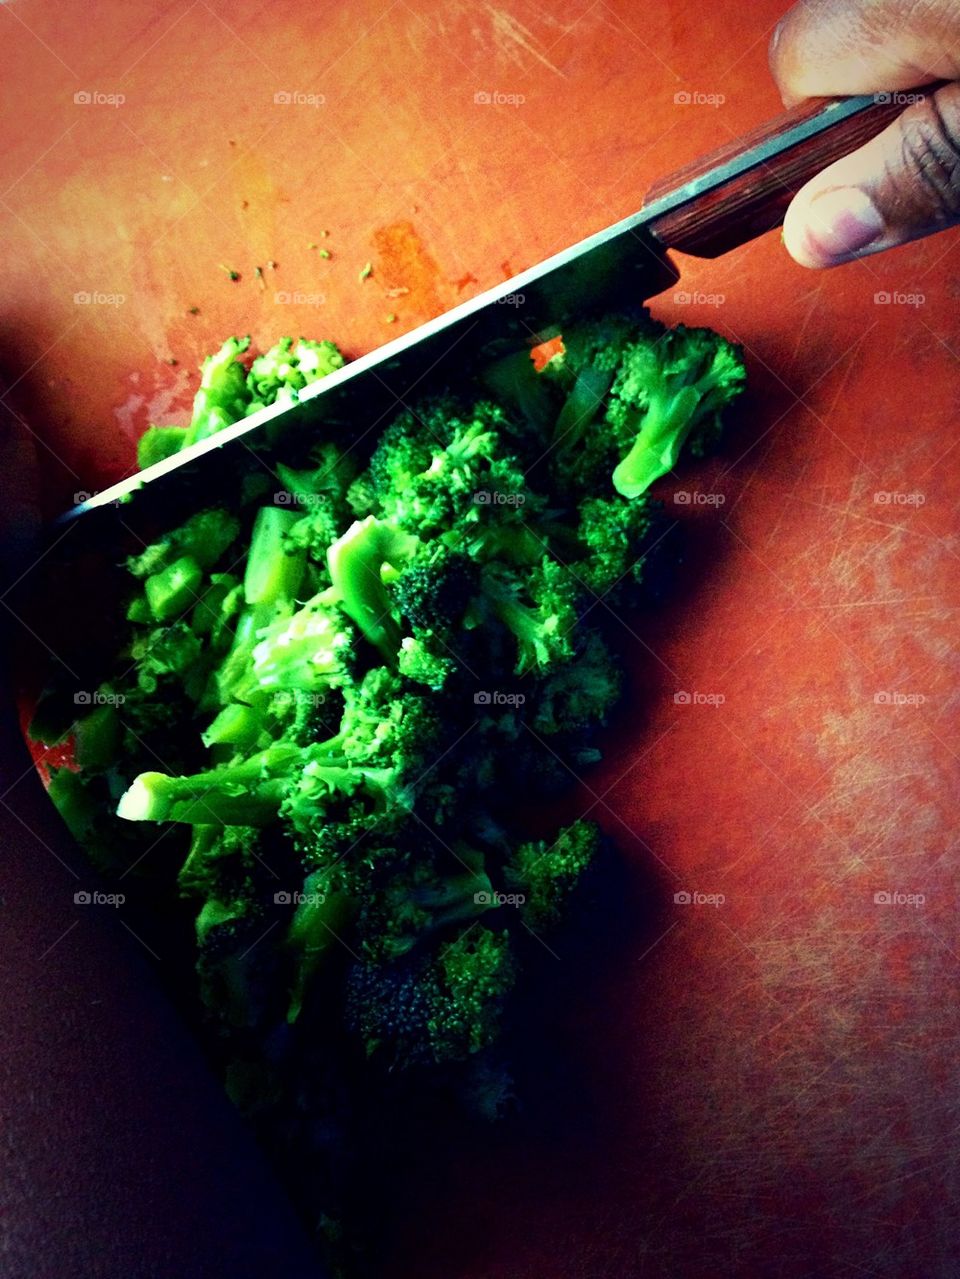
(548, 872)
(667, 391)
(420, 896)
(203, 538)
(540, 612)
(223, 397)
(612, 533)
(434, 1008)
(311, 650)
(356, 562)
(279, 374)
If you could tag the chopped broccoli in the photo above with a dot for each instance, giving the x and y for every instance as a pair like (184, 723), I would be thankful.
(349, 688)
(439, 1007)
(546, 872)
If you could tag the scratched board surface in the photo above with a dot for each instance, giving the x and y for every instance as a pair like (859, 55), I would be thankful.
(764, 1079)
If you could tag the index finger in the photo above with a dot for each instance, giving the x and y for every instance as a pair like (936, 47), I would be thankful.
(825, 48)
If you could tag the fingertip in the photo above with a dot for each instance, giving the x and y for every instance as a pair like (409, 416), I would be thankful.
(825, 228)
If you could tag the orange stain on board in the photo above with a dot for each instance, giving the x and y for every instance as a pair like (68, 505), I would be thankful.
(404, 262)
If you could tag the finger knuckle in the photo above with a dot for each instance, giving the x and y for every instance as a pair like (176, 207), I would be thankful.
(930, 145)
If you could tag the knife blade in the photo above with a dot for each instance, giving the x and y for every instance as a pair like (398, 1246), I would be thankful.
(715, 204)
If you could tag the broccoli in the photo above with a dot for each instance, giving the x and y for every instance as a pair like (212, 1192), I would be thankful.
(356, 562)
(360, 677)
(278, 374)
(543, 627)
(228, 392)
(439, 1007)
(385, 742)
(667, 391)
(421, 895)
(312, 649)
(546, 872)
(612, 533)
(580, 694)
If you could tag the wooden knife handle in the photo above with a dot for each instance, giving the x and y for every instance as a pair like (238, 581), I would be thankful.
(776, 159)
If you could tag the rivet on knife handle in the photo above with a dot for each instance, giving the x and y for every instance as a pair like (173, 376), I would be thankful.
(743, 189)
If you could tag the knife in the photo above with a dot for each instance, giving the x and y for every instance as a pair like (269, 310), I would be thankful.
(714, 204)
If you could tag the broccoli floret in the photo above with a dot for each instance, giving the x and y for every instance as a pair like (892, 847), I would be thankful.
(311, 650)
(438, 1007)
(167, 657)
(436, 468)
(434, 588)
(612, 533)
(277, 375)
(426, 659)
(225, 870)
(579, 695)
(356, 562)
(669, 390)
(540, 611)
(203, 538)
(316, 531)
(421, 896)
(547, 872)
(389, 737)
(223, 397)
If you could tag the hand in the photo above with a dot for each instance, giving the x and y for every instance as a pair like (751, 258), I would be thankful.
(905, 183)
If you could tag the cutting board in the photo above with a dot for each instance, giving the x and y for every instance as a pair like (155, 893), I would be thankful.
(757, 1074)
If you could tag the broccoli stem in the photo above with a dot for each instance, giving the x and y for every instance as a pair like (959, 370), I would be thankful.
(582, 406)
(356, 562)
(244, 794)
(661, 436)
(171, 591)
(274, 572)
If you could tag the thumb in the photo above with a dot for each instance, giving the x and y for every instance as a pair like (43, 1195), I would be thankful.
(901, 186)
(905, 183)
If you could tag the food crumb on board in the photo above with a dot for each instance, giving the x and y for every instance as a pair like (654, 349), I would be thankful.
(366, 271)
